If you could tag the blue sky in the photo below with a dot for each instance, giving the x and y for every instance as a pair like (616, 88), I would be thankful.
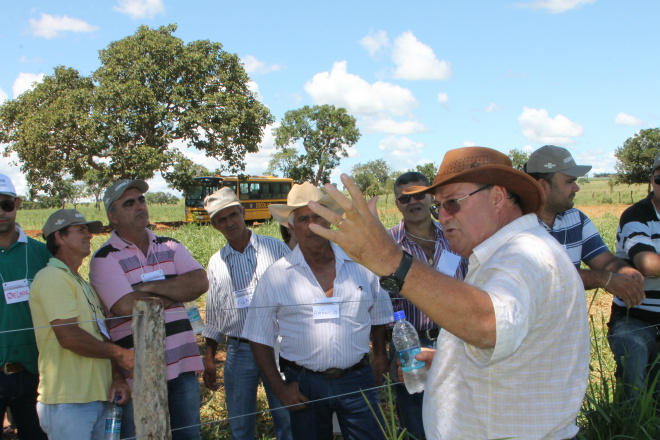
(420, 77)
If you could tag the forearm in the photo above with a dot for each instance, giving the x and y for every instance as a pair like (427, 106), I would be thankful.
(211, 350)
(264, 356)
(124, 306)
(378, 340)
(594, 278)
(72, 337)
(185, 287)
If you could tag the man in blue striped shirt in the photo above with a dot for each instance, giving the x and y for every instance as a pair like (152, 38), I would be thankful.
(556, 171)
(233, 273)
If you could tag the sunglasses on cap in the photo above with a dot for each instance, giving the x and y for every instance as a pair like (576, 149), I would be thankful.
(452, 206)
(8, 205)
(404, 199)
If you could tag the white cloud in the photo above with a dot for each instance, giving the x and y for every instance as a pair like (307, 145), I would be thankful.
(601, 161)
(415, 60)
(353, 152)
(528, 149)
(253, 65)
(3, 96)
(537, 126)
(390, 126)
(24, 82)
(401, 151)
(50, 26)
(254, 88)
(140, 8)
(358, 96)
(555, 6)
(492, 107)
(469, 144)
(625, 119)
(375, 42)
(443, 98)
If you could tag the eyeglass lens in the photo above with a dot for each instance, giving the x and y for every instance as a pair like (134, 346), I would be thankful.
(452, 206)
(656, 179)
(406, 197)
(8, 205)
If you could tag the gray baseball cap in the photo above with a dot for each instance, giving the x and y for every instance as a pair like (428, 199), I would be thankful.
(6, 186)
(656, 162)
(552, 159)
(62, 218)
(117, 189)
(219, 200)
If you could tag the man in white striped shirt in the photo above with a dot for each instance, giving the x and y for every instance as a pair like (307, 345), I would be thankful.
(325, 307)
(513, 358)
(233, 273)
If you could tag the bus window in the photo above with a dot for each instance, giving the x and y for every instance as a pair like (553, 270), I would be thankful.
(254, 191)
(286, 187)
(265, 191)
(230, 184)
(276, 190)
(244, 191)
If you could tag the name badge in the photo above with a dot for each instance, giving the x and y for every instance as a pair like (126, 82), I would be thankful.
(102, 328)
(326, 308)
(16, 291)
(448, 263)
(156, 275)
(243, 297)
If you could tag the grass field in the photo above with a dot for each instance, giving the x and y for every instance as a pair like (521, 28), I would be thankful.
(596, 199)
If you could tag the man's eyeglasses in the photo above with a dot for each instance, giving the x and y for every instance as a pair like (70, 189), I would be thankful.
(452, 206)
(8, 205)
(656, 179)
(404, 199)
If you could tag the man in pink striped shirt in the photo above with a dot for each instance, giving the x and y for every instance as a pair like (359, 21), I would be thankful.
(135, 263)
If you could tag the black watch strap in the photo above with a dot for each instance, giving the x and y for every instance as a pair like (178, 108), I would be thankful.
(393, 283)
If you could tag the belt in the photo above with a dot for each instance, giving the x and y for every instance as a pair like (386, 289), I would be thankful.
(330, 373)
(12, 368)
(244, 341)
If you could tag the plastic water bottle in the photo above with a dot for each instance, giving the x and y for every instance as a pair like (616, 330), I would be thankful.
(406, 341)
(113, 421)
(193, 314)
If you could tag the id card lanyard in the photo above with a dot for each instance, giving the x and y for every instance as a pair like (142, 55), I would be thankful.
(155, 275)
(18, 290)
(87, 291)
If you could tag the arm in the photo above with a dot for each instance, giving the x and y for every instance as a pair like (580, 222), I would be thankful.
(72, 337)
(380, 362)
(460, 308)
(288, 393)
(648, 263)
(209, 365)
(185, 287)
(119, 386)
(625, 282)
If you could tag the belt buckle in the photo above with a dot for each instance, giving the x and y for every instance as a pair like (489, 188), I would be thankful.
(428, 334)
(7, 372)
(333, 373)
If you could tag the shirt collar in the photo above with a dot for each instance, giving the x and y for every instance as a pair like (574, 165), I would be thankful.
(22, 238)
(296, 258)
(54, 262)
(400, 232)
(228, 250)
(487, 248)
(116, 241)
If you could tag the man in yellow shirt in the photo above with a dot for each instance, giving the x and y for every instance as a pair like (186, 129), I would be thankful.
(78, 366)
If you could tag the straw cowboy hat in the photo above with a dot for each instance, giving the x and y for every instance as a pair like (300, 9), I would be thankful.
(297, 198)
(487, 166)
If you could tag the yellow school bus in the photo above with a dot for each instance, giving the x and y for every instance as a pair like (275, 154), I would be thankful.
(254, 192)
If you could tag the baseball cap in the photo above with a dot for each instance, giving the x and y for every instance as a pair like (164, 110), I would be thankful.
(656, 162)
(552, 159)
(6, 187)
(117, 189)
(219, 200)
(62, 218)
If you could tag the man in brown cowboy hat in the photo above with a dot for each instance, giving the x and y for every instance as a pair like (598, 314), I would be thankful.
(515, 353)
(325, 307)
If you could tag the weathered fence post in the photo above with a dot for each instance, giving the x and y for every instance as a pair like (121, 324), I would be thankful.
(151, 412)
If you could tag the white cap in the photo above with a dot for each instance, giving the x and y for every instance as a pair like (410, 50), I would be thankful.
(6, 187)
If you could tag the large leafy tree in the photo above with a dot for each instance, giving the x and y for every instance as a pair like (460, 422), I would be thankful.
(635, 157)
(371, 176)
(326, 133)
(150, 91)
(518, 158)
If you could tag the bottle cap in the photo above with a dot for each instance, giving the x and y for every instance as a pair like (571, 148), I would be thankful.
(116, 398)
(401, 314)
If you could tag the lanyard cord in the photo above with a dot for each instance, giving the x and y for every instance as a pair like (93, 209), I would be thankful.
(87, 291)
(256, 261)
(26, 266)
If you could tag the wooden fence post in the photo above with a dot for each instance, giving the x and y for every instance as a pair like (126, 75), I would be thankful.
(150, 408)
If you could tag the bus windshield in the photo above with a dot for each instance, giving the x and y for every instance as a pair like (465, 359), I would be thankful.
(206, 187)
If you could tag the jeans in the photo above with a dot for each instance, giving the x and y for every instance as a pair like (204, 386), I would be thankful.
(18, 391)
(408, 406)
(635, 348)
(183, 401)
(341, 396)
(241, 381)
(67, 421)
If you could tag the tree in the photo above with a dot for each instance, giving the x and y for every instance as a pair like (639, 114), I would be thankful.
(150, 91)
(635, 157)
(182, 175)
(365, 174)
(429, 169)
(326, 133)
(96, 183)
(518, 158)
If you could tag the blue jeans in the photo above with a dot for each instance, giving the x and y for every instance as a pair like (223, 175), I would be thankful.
(18, 391)
(183, 399)
(355, 418)
(408, 406)
(635, 348)
(67, 421)
(241, 382)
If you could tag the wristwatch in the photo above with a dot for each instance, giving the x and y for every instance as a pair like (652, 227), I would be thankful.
(393, 283)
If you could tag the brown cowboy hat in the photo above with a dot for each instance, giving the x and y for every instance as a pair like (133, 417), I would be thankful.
(487, 166)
